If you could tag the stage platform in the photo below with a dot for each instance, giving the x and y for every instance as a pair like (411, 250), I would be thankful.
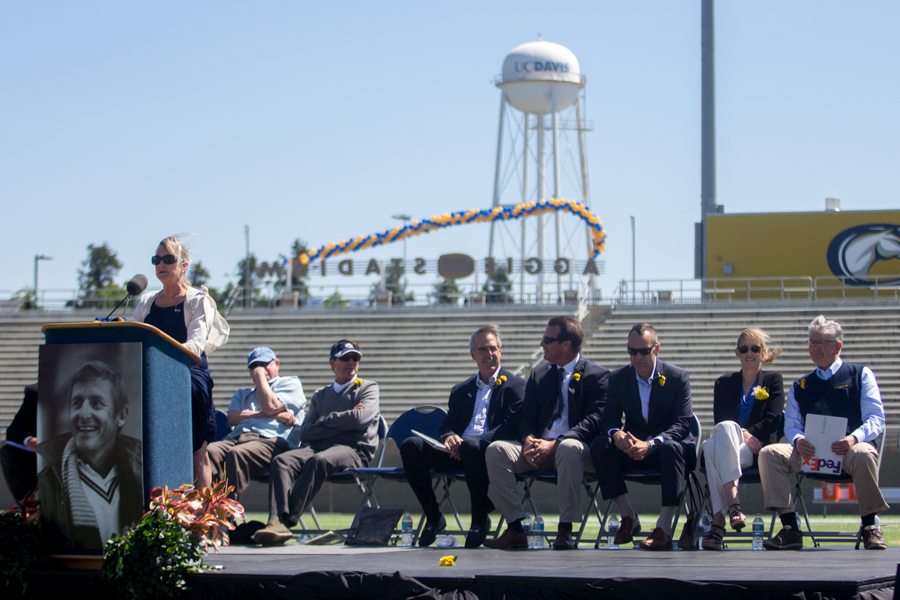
(338, 572)
(833, 572)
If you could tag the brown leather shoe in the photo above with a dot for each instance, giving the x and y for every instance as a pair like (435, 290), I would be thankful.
(627, 528)
(658, 540)
(564, 541)
(510, 540)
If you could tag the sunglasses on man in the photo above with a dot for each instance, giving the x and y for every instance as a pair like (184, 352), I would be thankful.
(641, 351)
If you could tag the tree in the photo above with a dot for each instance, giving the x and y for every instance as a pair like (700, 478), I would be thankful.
(253, 285)
(96, 278)
(395, 284)
(298, 282)
(498, 287)
(445, 292)
(99, 269)
(198, 275)
(335, 301)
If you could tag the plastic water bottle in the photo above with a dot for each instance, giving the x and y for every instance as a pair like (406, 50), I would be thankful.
(526, 525)
(538, 531)
(612, 529)
(759, 528)
(705, 526)
(406, 529)
(447, 541)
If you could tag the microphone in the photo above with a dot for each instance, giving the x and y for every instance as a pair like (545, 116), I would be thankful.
(134, 287)
(137, 285)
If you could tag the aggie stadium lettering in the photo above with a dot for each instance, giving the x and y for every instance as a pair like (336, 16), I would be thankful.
(449, 266)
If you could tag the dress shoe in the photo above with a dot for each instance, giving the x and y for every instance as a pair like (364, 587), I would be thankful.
(627, 528)
(658, 540)
(430, 531)
(478, 532)
(564, 541)
(873, 538)
(786, 539)
(510, 540)
(273, 534)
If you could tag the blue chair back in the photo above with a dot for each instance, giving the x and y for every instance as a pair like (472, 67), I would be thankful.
(424, 419)
(222, 426)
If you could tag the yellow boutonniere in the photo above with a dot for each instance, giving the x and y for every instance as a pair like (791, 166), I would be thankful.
(448, 561)
(760, 392)
(577, 376)
(500, 380)
(803, 384)
(661, 379)
(357, 382)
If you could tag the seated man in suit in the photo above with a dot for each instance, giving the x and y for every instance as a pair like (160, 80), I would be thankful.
(18, 455)
(836, 389)
(340, 431)
(482, 409)
(263, 418)
(656, 400)
(560, 414)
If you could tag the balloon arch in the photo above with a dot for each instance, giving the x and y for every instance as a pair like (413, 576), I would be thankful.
(488, 215)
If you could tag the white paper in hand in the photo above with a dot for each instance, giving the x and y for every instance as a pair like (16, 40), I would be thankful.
(822, 431)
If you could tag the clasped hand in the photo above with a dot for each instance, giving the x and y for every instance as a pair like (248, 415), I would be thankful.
(537, 451)
(636, 449)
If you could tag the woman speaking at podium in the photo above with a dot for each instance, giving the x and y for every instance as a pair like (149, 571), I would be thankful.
(187, 315)
(747, 408)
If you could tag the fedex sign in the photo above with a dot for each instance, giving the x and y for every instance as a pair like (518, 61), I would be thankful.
(821, 465)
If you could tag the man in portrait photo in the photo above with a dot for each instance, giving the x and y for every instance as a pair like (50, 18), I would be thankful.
(91, 485)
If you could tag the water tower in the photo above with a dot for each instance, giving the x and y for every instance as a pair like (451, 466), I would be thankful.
(541, 78)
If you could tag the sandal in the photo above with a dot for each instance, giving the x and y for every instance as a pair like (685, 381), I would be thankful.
(713, 541)
(736, 517)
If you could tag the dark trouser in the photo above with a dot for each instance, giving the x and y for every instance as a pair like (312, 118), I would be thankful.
(296, 476)
(19, 469)
(670, 458)
(419, 459)
(242, 458)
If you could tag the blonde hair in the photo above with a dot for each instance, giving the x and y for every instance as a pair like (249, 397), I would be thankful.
(766, 355)
(176, 248)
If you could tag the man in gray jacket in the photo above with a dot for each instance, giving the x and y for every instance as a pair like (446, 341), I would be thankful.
(340, 431)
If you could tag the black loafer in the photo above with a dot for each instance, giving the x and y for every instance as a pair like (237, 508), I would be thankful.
(430, 531)
(477, 533)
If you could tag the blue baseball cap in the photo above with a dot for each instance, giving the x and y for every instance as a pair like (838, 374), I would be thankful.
(260, 355)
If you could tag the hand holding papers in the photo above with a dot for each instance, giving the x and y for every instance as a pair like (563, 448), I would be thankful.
(821, 432)
(436, 444)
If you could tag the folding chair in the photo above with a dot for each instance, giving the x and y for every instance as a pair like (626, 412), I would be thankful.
(748, 476)
(689, 496)
(344, 477)
(831, 536)
(591, 489)
(424, 419)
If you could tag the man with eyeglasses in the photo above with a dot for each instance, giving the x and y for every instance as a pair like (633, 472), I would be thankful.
(836, 389)
(263, 418)
(481, 409)
(655, 398)
(340, 431)
(564, 399)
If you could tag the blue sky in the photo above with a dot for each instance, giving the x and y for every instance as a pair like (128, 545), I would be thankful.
(127, 122)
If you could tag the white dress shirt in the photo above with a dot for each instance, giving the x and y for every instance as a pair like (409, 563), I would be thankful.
(478, 424)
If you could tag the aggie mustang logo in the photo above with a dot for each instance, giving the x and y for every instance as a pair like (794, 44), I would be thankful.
(852, 252)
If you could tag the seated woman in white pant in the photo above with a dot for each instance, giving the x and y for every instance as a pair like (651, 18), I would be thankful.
(747, 408)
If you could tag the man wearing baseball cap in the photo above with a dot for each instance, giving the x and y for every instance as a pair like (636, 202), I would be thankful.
(340, 431)
(263, 418)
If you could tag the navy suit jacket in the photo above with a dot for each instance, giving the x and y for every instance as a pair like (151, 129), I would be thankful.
(587, 396)
(503, 410)
(670, 404)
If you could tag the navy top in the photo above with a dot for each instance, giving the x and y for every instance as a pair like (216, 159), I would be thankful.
(170, 320)
(837, 397)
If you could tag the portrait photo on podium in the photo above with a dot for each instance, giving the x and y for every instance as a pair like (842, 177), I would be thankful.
(89, 431)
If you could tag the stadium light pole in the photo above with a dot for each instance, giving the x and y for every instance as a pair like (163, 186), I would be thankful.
(633, 283)
(37, 259)
(247, 285)
(406, 219)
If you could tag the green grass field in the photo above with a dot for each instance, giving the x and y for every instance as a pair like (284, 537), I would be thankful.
(890, 524)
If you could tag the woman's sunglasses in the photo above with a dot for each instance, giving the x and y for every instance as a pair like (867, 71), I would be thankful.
(754, 349)
(168, 259)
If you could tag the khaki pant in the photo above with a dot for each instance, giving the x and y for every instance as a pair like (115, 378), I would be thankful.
(571, 459)
(242, 458)
(778, 461)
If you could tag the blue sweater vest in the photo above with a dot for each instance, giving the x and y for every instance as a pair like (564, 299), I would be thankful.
(838, 397)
